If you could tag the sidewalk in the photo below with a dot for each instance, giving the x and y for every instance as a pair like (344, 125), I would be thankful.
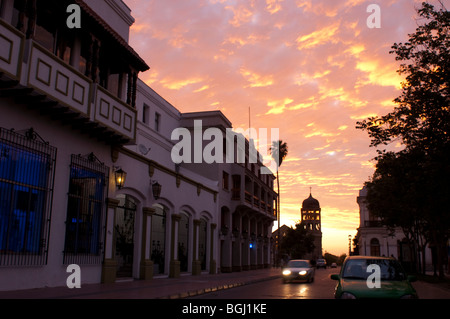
(158, 288)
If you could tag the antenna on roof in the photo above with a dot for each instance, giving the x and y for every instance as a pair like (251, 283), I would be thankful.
(249, 122)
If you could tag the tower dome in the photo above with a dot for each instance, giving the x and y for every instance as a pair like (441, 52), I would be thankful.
(311, 203)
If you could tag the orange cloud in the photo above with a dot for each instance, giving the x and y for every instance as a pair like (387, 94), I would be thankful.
(256, 80)
(173, 84)
(319, 37)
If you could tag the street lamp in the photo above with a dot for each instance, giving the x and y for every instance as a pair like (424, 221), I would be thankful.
(349, 244)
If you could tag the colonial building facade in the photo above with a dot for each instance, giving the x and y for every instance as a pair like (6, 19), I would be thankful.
(86, 172)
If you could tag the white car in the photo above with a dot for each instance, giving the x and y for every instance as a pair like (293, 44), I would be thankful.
(298, 270)
(321, 263)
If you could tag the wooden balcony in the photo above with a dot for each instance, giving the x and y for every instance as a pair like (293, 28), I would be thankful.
(11, 52)
(235, 193)
(255, 201)
(114, 113)
(248, 197)
(48, 84)
(50, 76)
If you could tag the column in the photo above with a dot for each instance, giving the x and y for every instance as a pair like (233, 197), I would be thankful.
(22, 6)
(130, 87)
(212, 261)
(95, 61)
(174, 270)
(7, 10)
(254, 249)
(236, 251)
(196, 263)
(32, 16)
(245, 244)
(260, 250)
(146, 266)
(109, 267)
(226, 257)
(134, 90)
(268, 246)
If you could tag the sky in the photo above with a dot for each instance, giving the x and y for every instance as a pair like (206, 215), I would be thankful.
(311, 68)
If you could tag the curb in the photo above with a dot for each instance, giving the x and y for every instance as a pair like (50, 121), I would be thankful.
(202, 291)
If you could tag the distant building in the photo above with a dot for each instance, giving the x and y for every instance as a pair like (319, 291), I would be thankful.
(375, 239)
(311, 221)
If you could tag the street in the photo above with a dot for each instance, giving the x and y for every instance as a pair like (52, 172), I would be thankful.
(321, 288)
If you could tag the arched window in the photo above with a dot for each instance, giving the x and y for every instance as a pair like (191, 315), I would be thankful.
(374, 247)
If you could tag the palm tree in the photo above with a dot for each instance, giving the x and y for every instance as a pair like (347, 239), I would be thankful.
(279, 151)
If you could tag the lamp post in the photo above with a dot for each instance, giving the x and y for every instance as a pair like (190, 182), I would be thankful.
(349, 244)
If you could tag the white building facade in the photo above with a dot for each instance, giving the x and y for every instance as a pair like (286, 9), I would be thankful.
(74, 116)
(375, 239)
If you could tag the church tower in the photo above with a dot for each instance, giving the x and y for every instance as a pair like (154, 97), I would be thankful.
(311, 221)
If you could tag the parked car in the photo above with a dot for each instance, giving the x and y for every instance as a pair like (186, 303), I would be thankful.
(321, 263)
(298, 270)
(333, 265)
(353, 283)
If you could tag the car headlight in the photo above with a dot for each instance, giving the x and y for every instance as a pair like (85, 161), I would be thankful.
(286, 272)
(303, 272)
(347, 295)
(408, 297)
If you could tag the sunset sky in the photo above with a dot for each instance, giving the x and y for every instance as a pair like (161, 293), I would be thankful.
(311, 68)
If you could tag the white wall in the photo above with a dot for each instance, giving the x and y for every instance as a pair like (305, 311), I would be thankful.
(116, 13)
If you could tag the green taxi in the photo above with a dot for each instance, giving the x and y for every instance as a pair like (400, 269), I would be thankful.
(358, 279)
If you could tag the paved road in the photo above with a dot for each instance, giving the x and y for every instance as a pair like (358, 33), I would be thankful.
(321, 288)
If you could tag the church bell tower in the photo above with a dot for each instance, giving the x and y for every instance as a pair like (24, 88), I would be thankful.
(311, 221)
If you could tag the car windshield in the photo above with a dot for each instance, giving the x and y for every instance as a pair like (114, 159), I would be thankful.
(297, 264)
(357, 269)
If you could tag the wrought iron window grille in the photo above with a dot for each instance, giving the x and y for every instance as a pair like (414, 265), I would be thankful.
(27, 166)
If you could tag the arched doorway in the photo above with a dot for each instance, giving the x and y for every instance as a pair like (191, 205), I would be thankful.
(158, 252)
(202, 242)
(183, 242)
(124, 233)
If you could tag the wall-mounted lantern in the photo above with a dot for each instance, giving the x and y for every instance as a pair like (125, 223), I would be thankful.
(156, 189)
(120, 176)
